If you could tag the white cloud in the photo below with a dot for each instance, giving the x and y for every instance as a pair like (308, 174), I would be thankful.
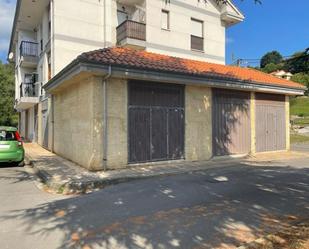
(7, 10)
(229, 40)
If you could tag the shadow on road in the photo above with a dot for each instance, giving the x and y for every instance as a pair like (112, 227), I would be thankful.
(16, 174)
(208, 209)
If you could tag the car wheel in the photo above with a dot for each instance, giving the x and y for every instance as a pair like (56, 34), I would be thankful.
(20, 164)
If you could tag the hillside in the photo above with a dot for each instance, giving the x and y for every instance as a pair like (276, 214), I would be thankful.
(300, 106)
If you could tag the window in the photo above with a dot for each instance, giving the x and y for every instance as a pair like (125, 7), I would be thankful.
(122, 16)
(49, 22)
(165, 19)
(49, 66)
(197, 39)
(8, 136)
(41, 37)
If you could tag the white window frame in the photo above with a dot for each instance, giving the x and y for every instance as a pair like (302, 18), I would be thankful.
(165, 13)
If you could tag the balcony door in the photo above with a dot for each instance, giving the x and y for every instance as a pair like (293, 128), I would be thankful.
(121, 17)
(28, 89)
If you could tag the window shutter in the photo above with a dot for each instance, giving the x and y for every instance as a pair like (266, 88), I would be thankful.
(196, 28)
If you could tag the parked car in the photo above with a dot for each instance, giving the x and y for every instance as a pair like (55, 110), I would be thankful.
(11, 146)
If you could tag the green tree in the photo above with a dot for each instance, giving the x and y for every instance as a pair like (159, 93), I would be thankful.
(8, 115)
(271, 67)
(302, 78)
(298, 63)
(271, 57)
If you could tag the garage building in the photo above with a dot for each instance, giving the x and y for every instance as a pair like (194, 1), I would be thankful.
(118, 107)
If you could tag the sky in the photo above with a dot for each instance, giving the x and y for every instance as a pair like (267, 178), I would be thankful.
(280, 25)
(7, 9)
(274, 25)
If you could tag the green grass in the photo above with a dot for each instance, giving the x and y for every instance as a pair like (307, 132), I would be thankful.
(296, 138)
(301, 121)
(299, 106)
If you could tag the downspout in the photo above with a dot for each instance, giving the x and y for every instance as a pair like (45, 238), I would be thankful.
(105, 117)
(53, 123)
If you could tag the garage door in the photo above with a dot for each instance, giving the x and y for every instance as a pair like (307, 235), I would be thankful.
(156, 122)
(270, 122)
(231, 122)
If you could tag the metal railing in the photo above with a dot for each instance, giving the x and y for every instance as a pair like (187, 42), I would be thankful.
(197, 43)
(28, 48)
(29, 88)
(131, 29)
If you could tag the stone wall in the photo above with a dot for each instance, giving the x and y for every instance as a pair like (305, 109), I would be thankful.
(78, 123)
(287, 120)
(198, 131)
(117, 150)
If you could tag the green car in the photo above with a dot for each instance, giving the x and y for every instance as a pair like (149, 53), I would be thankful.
(11, 146)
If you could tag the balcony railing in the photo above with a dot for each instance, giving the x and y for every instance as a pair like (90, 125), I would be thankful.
(28, 88)
(131, 29)
(28, 48)
(197, 43)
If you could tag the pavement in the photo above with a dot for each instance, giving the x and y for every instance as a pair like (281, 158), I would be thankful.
(59, 175)
(215, 208)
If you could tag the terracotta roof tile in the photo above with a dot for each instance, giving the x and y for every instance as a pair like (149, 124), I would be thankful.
(152, 61)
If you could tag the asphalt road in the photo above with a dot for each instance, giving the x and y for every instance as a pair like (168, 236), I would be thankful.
(218, 208)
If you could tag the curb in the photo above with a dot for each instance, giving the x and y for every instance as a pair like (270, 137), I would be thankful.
(70, 187)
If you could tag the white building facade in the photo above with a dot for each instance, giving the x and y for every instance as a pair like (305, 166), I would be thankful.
(49, 34)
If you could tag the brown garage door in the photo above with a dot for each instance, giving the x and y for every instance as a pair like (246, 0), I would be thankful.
(156, 121)
(231, 122)
(270, 122)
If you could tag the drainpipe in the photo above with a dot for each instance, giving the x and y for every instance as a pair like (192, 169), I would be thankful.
(105, 123)
(52, 122)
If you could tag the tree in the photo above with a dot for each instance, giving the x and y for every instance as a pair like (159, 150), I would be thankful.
(298, 63)
(271, 57)
(8, 115)
(302, 78)
(271, 67)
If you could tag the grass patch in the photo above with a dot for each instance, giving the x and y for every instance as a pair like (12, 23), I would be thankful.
(301, 121)
(299, 106)
(296, 138)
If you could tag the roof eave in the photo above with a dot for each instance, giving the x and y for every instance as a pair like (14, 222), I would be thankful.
(77, 66)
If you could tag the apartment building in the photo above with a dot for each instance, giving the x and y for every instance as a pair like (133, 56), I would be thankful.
(48, 34)
(89, 106)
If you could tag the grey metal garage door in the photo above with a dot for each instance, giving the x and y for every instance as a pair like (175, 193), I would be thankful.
(270, 122)
(156, 121)
(231, 122)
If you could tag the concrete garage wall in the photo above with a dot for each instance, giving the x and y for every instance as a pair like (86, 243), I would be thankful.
(117, 150)
(198, 131)
(252, 115)
(287, 120)
(78, 123)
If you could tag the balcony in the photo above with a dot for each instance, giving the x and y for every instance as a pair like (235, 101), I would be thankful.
(28, 92)
(131, 34)
(29, 53)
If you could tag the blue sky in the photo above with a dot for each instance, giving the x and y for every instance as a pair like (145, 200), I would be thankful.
(7, 8)
(274, 25)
